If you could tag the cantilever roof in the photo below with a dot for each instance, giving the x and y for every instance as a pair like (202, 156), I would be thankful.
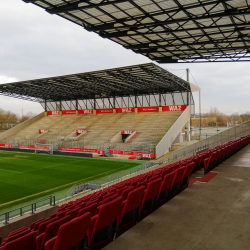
(166, 31)
(117, 82)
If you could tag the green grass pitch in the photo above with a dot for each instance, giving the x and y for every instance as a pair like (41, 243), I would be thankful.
(24, 176)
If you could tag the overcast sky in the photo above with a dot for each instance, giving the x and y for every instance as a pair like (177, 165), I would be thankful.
(35, 44)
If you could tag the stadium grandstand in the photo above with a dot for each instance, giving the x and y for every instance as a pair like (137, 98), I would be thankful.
(126, 111)
(198, 199)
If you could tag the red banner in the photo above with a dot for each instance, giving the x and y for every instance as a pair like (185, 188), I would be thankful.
(26, 146)
(148, 109)
(6, 145)
(120, 152)
(54, 112)
(127, 132)
(125, 110)
(68, 112)
(44, 147)
(80, 131)
(81, 150)
(104, 111)
(85, 111)
(43, 130)
(174, 108)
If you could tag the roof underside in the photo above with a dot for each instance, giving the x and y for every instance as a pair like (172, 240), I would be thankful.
(143, 79)
(166, 31)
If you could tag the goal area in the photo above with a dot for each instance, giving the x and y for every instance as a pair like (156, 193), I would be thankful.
(44, 148)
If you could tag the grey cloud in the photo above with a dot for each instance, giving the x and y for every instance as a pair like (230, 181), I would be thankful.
(35, 44)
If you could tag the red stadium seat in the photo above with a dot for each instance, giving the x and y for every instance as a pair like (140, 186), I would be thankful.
(176, 185)
(130, 211)
(149, 199)
(71, 234)
(142, 184)
(111, 198)
(34, 223)
(43, 225)
(26, 242)
(73, 213)
(165, 188)
(102, 226)
(17, 231)
(126, 191)
(16, 236)
(90, 209)
(185, 178)
(50, 232)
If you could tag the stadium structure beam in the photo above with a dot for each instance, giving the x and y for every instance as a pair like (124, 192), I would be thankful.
(143, 79)
(170, 31)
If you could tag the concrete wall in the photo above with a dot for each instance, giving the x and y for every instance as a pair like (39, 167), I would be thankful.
(16, 129)
(26, 220)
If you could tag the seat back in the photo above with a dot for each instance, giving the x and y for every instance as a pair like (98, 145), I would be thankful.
(176, 184)
(36, 226)
(188, 171)
(16, 236)
(149, 199)
(73, 213)
(130, 210)
(52, 230)
(104, 227)
(34, 223)
(165, 187)
(72, 233)
(43, 225)
(111, 198)
(17, 231)
(142, 184)
(155, 177)
(26, 242)
(126, 191)
(89, 209)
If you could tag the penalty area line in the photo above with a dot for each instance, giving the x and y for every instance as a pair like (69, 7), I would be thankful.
(11, 171)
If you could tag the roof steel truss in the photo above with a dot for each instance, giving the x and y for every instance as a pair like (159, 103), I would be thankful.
(143, 79)
(166, 31)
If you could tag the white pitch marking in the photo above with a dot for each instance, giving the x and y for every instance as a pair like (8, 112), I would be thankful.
(11, 171)
(49, 166)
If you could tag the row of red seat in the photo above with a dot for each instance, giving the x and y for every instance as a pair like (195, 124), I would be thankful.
(112, 211)
(217, 155)
(106, 214)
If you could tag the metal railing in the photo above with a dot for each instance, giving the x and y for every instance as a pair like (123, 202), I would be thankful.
(30, 208)
(111, 180)
(215, 140)
(166, 142)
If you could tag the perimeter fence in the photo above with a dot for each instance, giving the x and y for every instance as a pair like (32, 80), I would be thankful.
(28, 209)
(214, 140)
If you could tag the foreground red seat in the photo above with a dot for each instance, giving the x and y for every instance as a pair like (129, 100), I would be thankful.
(130, 211)
(102, 226)
(176, 185)
(149, 199)
(17, 231)
(165, 188)
(186, 175)
(50, 232)
(43, 225)
(26, 242)
(71, 234)
(89, 209)
(16, 236)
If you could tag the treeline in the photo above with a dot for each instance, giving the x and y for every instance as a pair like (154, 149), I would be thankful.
(9, 119)
(217, 118)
